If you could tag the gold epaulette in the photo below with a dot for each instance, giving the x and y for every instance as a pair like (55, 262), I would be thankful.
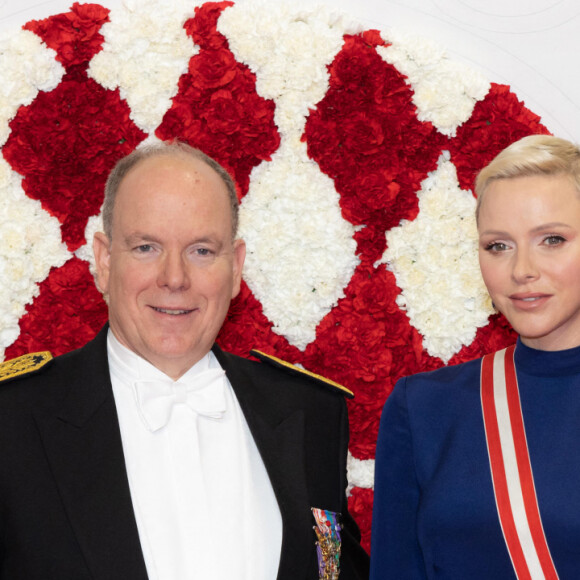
(23, 365)
(278, 362)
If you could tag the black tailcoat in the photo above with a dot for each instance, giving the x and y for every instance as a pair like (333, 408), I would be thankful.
(66, 511)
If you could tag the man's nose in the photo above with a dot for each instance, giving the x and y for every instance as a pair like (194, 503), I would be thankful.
(174, 273)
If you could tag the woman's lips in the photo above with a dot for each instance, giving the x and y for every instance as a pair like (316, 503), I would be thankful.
(529, 301)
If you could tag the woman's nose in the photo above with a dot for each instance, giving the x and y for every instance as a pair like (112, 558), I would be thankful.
(525, 267)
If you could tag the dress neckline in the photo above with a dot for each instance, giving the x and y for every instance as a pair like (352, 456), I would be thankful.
(547, 363)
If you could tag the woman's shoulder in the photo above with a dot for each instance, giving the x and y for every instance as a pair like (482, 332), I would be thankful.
(452, 391)
(447, 374)
(443, 383)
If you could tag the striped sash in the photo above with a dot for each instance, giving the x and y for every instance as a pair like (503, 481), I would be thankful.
(513, 482)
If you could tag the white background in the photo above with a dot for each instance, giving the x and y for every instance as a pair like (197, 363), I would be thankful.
(532, 45)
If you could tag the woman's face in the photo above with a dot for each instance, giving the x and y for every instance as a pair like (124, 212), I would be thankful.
(529, 253)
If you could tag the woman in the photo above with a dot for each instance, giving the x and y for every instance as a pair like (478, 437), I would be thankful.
(465, 488)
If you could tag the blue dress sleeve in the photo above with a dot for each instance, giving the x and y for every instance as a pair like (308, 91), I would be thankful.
(395, 549)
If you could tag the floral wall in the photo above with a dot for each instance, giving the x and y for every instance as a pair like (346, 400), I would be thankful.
(354, 151)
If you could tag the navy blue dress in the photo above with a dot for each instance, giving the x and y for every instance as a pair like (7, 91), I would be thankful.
(434, 510)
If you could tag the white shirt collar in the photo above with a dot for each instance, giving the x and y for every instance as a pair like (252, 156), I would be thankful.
(130, 366)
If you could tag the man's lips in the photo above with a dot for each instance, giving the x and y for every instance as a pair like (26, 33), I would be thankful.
(172, 311)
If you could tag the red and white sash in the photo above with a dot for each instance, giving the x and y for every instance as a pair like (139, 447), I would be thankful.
(513, 482)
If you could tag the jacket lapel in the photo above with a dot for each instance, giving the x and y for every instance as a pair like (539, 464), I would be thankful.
(83, 445)
(279, 437)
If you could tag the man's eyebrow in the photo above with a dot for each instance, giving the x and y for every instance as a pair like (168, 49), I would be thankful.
(143, 237)
(139, 237)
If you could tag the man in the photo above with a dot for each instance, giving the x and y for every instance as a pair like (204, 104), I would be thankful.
(136, 456)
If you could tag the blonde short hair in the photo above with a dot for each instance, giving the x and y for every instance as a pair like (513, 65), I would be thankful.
(533, 155)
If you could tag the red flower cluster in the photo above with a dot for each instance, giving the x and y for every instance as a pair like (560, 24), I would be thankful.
(217, 108)
(365, 135)
(358, 506)
(496, 122)
(496, 335)
(75, 35)
(67, 313)
(66, 142)
(367, 343)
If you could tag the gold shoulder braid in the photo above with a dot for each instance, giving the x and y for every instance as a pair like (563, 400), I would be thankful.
(27, 363)
(278, 362)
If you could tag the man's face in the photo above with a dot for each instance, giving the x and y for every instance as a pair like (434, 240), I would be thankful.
(172, 267)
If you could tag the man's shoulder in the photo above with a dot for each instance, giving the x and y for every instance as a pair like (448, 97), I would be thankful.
(27, 381)
(26, 365)
(37, 373)
(276, 371)
(302, 373)
(41, 372)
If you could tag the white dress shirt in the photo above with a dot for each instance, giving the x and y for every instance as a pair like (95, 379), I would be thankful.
(203, 501)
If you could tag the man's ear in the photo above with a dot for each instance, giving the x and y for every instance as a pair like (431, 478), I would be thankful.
(102, 253)
(238, 264)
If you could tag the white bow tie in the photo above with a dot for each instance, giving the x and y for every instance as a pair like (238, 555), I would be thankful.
(205, 395)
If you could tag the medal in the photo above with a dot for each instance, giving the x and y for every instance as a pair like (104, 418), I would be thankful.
(327, 530)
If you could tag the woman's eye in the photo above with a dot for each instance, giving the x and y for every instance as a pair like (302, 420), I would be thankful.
(553, 240)
(496, 247)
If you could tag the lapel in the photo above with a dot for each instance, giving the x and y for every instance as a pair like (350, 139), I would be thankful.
(83, 445)
(279, 437)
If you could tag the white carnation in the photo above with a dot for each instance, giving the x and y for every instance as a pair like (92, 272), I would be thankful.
(30, 245)
(26, 66)
(301, 252)
(434, 259)
(145, 52)
(445, 91)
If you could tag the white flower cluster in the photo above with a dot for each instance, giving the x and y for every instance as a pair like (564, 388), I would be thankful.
(361, 472)
(288, 48)
(145, 52)
(30, 242)
(26, 66)
(434, 259)
(300, 249)
(445, 91)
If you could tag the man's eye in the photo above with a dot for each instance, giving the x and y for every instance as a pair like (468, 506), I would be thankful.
(144, 248)
(203, 252)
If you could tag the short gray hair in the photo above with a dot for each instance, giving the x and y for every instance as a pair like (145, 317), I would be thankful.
(164, 148)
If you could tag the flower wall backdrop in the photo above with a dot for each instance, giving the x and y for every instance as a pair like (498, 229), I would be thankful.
(354, 152)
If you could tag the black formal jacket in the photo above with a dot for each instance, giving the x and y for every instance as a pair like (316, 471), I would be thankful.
(65, 506)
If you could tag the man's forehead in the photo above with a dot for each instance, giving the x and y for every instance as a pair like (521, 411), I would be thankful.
(172, 173)
(167, 181)
(176, 160)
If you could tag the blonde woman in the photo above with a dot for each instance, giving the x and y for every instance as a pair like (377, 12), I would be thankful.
(478, 467)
